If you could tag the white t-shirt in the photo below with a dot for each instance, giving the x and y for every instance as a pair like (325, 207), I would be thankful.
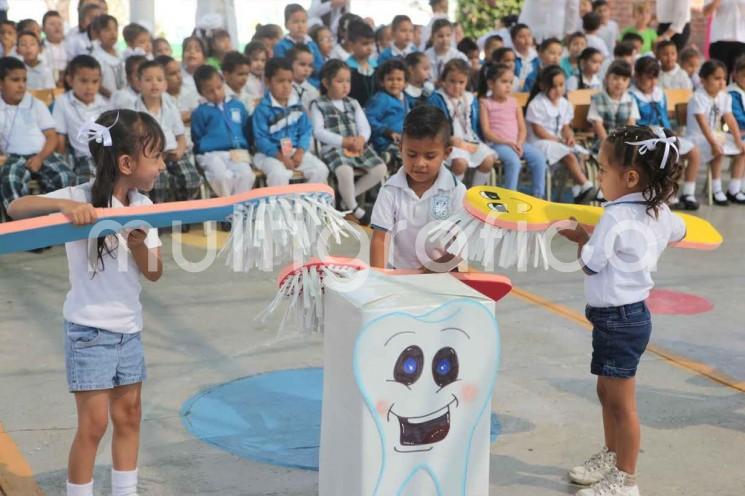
(623, 250)
(594, 115)
(594, 84)
(40, 76)
(399, 211)
(69, 116)
(77, 43)
(55, 55)
(728, 22)
(330, 139)
(597, 42)
(169, 119)
(439, 61)
(112, 68)
(22, 126)
(124, 98)
(552, 117)
(712, 108)
(109, 300)
(676, 78)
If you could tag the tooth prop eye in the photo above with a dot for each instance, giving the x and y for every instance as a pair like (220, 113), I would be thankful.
(409, 366)
(497, 207)
(489, 195)
(445, 367)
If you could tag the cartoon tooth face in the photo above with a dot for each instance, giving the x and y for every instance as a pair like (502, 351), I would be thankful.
(427, 381)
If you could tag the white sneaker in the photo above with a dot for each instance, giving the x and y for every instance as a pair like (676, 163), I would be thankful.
(594, 469)
(614, 484)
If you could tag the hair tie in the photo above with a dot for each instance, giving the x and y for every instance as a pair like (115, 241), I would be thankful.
(93, 131)
(651, 145)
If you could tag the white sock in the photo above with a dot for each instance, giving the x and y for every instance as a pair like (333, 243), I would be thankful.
(689, 188)
(80, 489)
(716, 185)
(358, 212)
(575, 190)
(735, 185)
(480, 178)
(123, 483)
(586, 186)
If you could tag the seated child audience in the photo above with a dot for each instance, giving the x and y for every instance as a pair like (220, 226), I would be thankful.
(257, 55)
(507, 57)
(218, 43)
(185, 99)
(161, 46)
(105, 31)
(235, 72)
(710, 107)
(324, 39)
(526, 56)
(127, 96)
(623, 52)
(283, 132)
(492, 43)
(343, 49)
(383, 38)
(549, 53)
(461, 107)
(442, 50)
(576, 43)
(608, 31)
(387, 109)
(180, 181)
(268, 35)
(77, 40)
(590, 61)
(421, 192)
(419, 85)
(549, 119)
(737, 92)
(403, 36)
(650, 99)
(138, 40)
(672, 76)
(690, 61)
(219, 130)
(296, 22)
(301, 59)
(194, 56)
(342, 130)
(38, 73)
(613, 107)
(54, 43)
(76, 107)
(503, 127)
(591, 25)
(361, 40)
(27, 140)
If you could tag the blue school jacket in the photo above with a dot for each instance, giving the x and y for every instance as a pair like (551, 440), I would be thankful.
(214, 129)
(287, 43)
(536, 63)
(438, 100)
(738, 104)
(272, 123)
(652, 110)
(385, 113)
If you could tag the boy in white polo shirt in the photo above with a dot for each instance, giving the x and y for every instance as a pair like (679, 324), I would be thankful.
(423, 191)
(27, 137)
(75, 108)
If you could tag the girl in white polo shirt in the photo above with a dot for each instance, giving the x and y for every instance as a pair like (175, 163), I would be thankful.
(638, 170)
(422, 192)
(103, 316)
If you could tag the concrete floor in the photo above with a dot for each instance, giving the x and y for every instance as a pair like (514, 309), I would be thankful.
(199, 333)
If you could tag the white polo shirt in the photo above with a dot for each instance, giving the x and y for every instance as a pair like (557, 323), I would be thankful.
(109, 300)
(169, 119)
(40, 76)
(70, 114)
(623, 251)
(124, 98)
(399, 211)
(112, 68)
(22, 126)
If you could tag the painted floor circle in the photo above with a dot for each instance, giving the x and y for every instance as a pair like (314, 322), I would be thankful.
(668, 302)
(273, 417)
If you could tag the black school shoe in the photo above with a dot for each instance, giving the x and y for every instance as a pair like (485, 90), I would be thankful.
(721, 203)
(685, 202)
(587, 196)
(738, 198)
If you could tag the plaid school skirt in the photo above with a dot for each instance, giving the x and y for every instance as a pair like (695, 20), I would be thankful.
(335, 157)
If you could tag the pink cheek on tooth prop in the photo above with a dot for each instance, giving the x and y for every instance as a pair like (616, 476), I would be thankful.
(469, 392)
(382, 407)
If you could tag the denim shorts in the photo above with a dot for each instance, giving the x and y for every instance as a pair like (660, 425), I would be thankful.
(99, 359)
(619, 337)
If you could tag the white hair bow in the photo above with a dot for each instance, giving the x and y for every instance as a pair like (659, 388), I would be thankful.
(651, 144)
(93, 131)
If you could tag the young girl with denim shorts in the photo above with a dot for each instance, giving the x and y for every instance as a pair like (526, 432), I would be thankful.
(103, 316)
(638, 170)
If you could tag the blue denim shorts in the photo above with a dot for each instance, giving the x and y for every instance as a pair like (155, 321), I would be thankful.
(99, 359)
(619, 337)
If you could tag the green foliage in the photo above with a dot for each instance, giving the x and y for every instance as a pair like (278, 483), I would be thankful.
(477, 16)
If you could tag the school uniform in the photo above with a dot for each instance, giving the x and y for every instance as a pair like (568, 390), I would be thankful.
(386, 114)
(334, 120)
(427, 30)
(609, 33)
(112, 68)
(612, 113)
(187, 80)
(124, 98)
(653, 112)
(552, 118)
(438, 61)
(573, 83)
(278, 128)
(242, 96)
(217, 130)
(180, 181)
(363, 80)
(713, 109)
(418, 96)
(524, 65)
(618, 262)
(77, 43)
(22, 129)
(676, 78)
(339, 53)
(56, 57)
(70, 114)
(393, 52)
(400, 212)
(595, 41)
(254, 89)
(39, 76)
(738, 104)
(306, 92)
(463, 115)
(568, 68)
(287, 43)
(531, 80)
(130, 51)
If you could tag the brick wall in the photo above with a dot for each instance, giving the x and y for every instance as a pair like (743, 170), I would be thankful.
(621, 13)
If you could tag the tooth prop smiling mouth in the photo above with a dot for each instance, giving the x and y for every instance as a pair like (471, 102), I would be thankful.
(425, 429)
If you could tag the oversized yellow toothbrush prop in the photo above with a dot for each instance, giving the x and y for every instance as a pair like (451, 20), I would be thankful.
(496, 217)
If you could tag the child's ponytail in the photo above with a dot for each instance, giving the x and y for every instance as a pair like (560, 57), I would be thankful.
(490, 71)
